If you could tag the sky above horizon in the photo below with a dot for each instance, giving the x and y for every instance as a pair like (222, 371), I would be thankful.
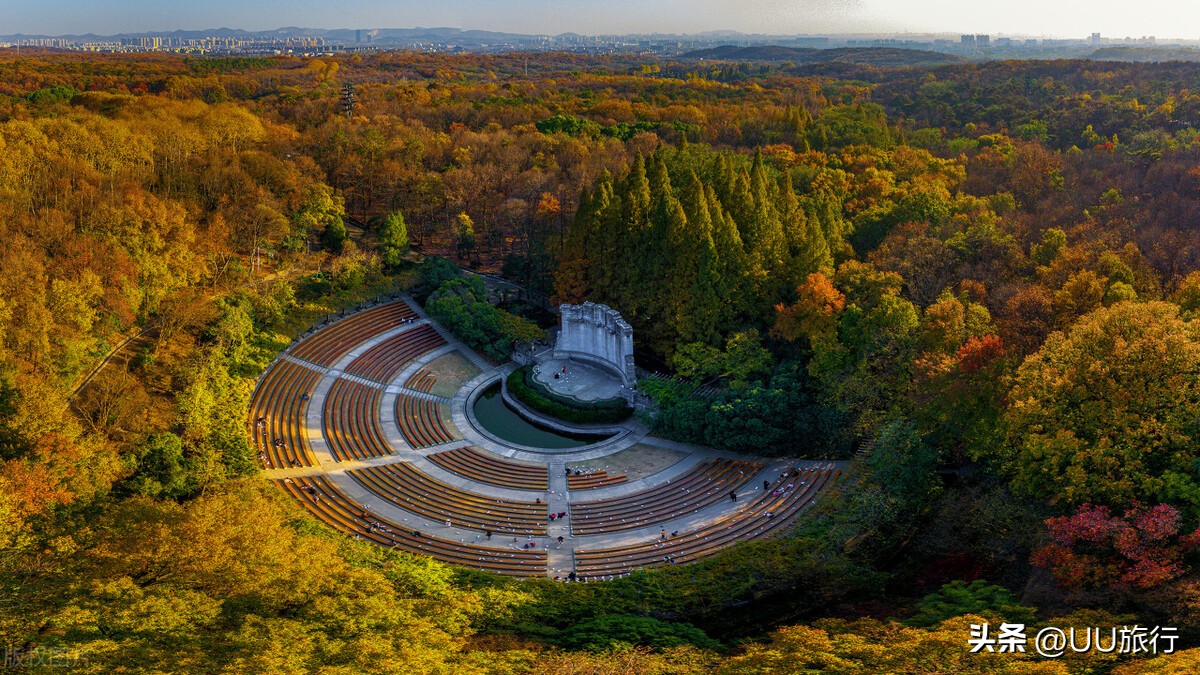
(1062, 18)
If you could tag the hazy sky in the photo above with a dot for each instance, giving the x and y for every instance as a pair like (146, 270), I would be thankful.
(1065, 18)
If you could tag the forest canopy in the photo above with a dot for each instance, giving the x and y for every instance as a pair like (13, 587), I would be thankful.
(975, 285)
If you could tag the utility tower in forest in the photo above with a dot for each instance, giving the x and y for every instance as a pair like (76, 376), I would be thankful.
(348, 99)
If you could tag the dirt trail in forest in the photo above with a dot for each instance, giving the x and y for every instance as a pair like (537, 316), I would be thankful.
(120, 357)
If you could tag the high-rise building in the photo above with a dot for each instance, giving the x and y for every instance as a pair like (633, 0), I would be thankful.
(968, 40)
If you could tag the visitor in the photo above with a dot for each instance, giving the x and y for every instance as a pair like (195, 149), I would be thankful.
(304, 397)
(733, 495)
(766, 485)
(562, 514)
(560, 539)
(663, 535)
(488, 534)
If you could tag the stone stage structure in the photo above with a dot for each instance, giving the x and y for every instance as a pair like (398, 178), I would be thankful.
(597, 334)
(595, 346)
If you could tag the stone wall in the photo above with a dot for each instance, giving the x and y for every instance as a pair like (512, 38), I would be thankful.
(597, 334)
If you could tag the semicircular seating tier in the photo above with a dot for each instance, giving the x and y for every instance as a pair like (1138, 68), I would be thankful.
(329, 505)
(351, 421)
(594, 479)
(331, 343)
(278, 414)
(408, 488)
(423, 422)
(484, 467)
(383, 362)
(706, 484)
(771, 512)
(422, 380)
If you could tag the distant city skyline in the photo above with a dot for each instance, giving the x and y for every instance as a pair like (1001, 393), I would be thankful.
(1112, 18)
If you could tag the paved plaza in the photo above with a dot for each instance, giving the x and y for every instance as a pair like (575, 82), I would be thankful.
(581, 381)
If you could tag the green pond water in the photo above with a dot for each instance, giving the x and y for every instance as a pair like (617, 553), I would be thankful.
(504, 423)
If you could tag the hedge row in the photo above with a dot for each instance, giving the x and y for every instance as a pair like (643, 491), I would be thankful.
(535, 395)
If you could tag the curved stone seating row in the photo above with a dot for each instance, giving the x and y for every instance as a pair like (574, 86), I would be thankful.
(705, 484)
(351, 422)
(421, 422)
(422, 380)
(594, 479)
(753, 523)
(383, 362)
(484, 467)
(329, 505)
(280, 400)
(330, 343)
(408, 488)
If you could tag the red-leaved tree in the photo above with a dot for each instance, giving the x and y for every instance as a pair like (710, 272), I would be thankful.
(1093, 548)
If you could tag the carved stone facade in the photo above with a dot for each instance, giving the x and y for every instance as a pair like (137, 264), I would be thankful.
(597, 334)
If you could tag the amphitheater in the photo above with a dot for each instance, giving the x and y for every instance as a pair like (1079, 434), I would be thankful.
(369, 422)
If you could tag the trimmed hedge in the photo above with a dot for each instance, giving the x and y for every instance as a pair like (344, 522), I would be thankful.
(534, 394)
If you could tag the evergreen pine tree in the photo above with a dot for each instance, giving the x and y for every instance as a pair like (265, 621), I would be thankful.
(729, 260)
(697, 301)
(571, 280)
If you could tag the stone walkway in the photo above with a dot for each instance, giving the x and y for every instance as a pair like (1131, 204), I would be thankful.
(559, 497)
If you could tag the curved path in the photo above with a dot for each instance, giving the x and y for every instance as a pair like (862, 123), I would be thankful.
(330, 481)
